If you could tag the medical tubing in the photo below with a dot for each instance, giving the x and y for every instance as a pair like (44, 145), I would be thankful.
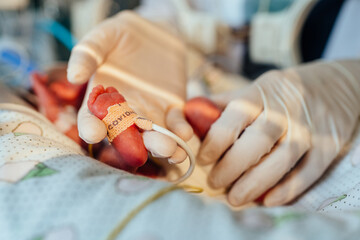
(60, 32)
(184, 146)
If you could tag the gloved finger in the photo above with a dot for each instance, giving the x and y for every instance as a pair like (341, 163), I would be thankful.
(91, 129)
(306, 173)
(176, 122)
(223, 99)
(116, 31)
(91, 51)
(223, 133)
(178, 157)
(256, 141)
(263, 176)
(158, 144)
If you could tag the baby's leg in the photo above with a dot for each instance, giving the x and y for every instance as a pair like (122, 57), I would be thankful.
(64, 117)
(128, 143)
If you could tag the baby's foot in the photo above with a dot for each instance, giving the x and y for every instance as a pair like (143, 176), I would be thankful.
(100, 99)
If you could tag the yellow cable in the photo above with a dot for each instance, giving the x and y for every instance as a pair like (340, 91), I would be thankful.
(90, 149)
(117, 230)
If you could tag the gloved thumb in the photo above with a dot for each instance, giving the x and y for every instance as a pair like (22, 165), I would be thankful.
(91, 51)
(91, 129)
(81, 65)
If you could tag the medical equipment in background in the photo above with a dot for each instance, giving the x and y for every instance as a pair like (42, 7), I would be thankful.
(13, 4)
(344, 41)
(274, 37)
(86, 14)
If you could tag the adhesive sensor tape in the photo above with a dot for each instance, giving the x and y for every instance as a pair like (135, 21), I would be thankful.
(120, 117)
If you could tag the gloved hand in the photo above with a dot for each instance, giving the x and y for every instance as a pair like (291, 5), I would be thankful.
(292, 124)
(146, 65)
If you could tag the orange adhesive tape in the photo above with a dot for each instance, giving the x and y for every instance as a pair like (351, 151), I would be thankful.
(120, 117)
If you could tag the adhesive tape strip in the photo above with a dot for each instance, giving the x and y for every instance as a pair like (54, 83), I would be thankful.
(120, 117)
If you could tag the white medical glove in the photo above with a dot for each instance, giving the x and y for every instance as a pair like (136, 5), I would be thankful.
(282, 132)
(145, 64)
(201, 30)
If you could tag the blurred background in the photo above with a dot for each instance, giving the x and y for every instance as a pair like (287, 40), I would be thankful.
(234, 40)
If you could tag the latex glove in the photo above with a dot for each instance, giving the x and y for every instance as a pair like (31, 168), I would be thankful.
(292, 124)
(146, 65)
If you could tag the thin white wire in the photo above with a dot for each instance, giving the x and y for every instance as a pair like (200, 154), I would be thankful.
(184, 146)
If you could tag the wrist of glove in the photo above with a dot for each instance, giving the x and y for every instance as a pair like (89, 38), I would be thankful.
(341, 78)
(330, 96)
